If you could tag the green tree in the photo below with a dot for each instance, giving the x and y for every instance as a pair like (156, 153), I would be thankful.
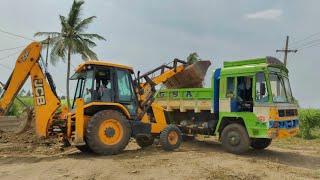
(192, 58)
(72, 39)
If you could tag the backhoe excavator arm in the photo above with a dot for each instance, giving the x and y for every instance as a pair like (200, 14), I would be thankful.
(45, 100)
(146, 89)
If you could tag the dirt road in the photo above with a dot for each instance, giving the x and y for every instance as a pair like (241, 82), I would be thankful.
(194, 160)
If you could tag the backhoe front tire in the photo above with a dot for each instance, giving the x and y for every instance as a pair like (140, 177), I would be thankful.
(170, 138)
(235, 139)
(108, 132)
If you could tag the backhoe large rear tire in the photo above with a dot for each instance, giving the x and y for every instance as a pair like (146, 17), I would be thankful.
(108, 132)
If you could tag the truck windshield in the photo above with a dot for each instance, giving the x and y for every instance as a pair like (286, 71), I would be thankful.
(280, 87)
(288, 89)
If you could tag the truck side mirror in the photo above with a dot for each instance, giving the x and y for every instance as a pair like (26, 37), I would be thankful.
(263, 89)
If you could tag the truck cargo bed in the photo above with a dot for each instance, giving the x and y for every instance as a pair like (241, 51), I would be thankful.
(195, 99)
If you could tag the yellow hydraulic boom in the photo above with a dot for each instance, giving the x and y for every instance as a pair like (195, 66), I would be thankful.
(45, 100)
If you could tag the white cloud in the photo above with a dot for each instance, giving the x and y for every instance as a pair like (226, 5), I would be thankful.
(269, 14)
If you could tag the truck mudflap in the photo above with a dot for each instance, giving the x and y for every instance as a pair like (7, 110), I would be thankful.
(140, 129)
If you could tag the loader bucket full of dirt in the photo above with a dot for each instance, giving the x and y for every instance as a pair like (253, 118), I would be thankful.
(17, 124)
(191, 77)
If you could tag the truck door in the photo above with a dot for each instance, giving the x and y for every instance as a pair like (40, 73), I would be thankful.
(245, 93)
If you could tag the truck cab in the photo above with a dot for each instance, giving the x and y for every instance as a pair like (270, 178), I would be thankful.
(257, 93)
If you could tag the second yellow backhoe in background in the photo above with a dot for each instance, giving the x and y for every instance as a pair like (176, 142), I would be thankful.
(109, 106)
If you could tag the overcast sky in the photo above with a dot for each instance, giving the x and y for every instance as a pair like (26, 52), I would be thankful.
(148, 33)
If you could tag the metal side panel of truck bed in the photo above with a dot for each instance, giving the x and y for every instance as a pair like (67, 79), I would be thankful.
(195, 99)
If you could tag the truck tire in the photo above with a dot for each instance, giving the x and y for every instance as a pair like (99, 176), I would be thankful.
(170, 138)
(260, 143)
(144, 141)
(235, 139)
(108, 132)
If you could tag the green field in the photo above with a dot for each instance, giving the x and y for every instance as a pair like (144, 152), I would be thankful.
(17, 107)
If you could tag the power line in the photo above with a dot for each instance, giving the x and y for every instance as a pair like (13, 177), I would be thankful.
(308, 43)
(313, 45)
(13, 48)
(6, 67)
(16, 35)
(308, 37)
(9, 55)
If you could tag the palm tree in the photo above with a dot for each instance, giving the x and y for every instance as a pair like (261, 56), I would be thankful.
(72, 39)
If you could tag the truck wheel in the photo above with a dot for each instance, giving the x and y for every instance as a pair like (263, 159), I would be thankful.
(144, 141)
(260, 143)
(235, 139)
(108, 132)
(170, 138)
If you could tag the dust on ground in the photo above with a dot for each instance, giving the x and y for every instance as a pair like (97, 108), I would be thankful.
(26, 157)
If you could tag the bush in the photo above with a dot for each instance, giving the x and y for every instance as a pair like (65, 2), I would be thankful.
(309, 120)
(17, 108)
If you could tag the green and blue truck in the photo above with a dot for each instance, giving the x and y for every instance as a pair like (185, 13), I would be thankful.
(248, 104)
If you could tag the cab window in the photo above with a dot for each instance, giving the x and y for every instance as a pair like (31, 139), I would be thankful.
(103, 88)
(125, 91)
(230, 87)
(87, 94)
(124, 86)
(261, 88)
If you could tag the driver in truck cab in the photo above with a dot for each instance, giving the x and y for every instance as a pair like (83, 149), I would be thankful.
(245, 89)
(242, 101)
(245, 93)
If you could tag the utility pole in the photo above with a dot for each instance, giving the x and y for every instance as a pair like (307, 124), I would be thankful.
(286, 51)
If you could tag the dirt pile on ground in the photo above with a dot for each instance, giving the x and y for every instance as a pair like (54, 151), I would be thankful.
(27, 142)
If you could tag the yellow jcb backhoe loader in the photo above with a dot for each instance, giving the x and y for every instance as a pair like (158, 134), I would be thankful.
(109, 105)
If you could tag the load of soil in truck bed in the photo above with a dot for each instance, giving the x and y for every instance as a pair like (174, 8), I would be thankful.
(191, 77)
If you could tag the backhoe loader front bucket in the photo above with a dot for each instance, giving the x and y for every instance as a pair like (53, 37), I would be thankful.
(16, 124)
(191, 77)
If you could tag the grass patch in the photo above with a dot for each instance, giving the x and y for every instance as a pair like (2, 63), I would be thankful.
(309, 123)
(17, 107)
(297, 143)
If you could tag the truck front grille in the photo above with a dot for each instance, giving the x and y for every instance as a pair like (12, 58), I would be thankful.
(287, 112)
